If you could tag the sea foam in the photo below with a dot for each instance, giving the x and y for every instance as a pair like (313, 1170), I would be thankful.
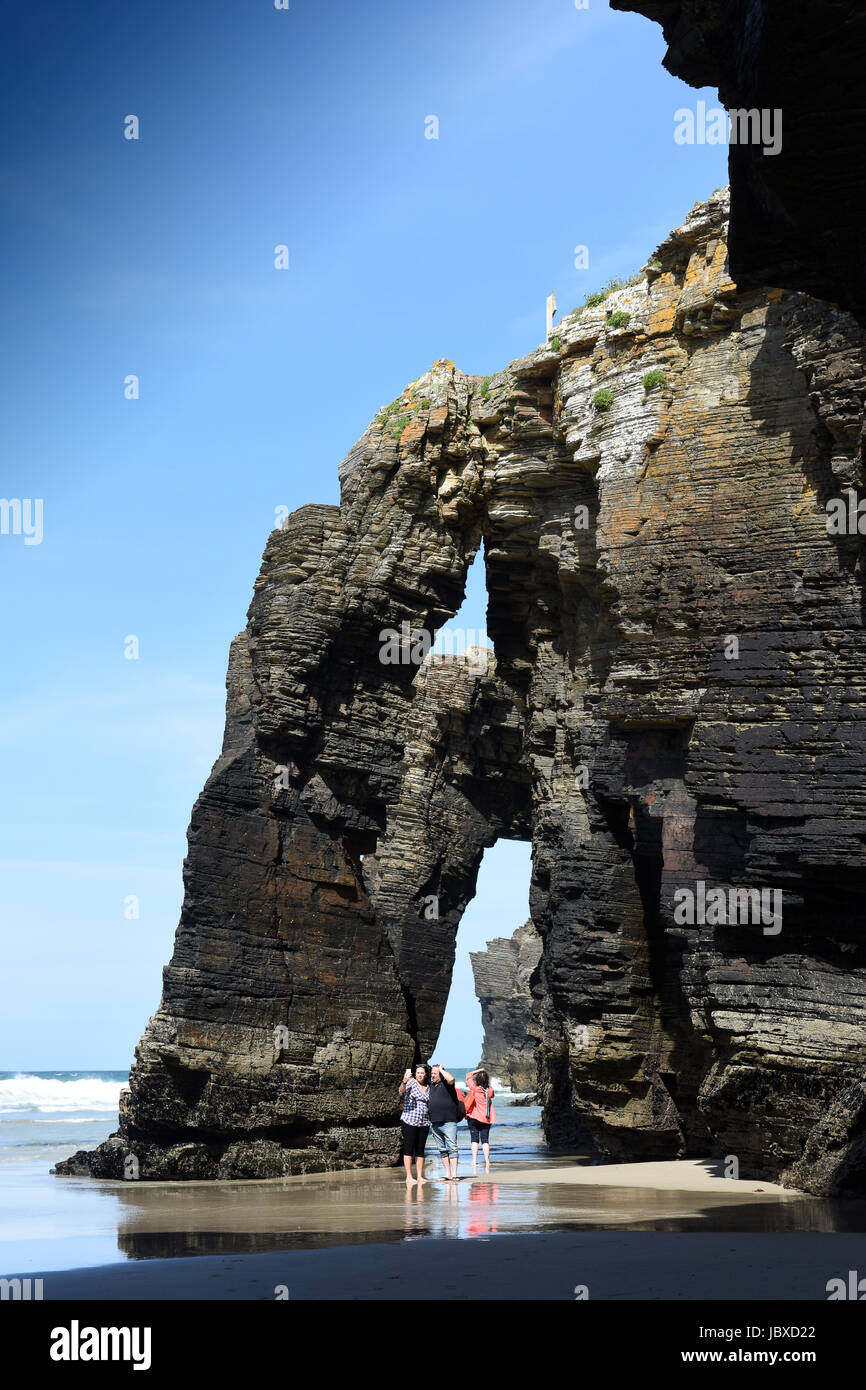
(44, 1094)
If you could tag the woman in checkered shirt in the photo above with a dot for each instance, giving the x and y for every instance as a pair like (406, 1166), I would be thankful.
(415, 1121)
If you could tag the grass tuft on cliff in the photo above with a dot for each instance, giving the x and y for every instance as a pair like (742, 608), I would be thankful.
(597, 297)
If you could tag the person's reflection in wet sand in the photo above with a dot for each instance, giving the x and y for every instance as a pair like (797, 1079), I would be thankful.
(415, 1194)
(483, 1194)
(415, 1222)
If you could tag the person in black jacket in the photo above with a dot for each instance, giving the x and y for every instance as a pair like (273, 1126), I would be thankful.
(444, 1117)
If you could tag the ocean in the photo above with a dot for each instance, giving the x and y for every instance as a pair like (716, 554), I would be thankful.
(47, 1115)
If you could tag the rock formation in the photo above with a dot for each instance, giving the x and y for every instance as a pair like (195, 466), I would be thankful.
(503, 983)
(796, 215)
(677, 706)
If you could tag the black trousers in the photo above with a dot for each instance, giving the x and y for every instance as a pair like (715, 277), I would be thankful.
(414, 1139)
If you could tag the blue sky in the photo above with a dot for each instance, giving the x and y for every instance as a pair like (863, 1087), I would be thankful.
(155, 257)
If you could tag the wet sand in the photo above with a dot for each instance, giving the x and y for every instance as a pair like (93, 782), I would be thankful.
(559, 1265)
(644, 1230)
(201, 1218)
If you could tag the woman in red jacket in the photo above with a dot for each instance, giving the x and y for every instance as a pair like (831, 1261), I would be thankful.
(480, 1115)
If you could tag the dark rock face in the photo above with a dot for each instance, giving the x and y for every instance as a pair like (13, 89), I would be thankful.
(503, 983)
(834, 1158)
(796, 216)
(677, 706)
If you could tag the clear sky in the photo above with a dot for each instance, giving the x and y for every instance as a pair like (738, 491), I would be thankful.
(155, 258)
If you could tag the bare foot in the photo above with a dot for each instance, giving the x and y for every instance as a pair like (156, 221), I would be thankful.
(410, 1182)
(422, 1180)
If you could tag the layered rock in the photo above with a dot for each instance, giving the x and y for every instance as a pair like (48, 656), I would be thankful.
(503, 974)
(796, 216)
(337, 840)
(677, 703)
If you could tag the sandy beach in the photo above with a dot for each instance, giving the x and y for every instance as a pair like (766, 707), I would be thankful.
(685, 1175)
(538, 1226)
(625, 1231)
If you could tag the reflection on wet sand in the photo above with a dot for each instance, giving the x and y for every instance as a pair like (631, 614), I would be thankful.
(177, 1219)
(482, 1195)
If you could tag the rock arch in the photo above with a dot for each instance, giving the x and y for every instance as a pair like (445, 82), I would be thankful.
(626, 539)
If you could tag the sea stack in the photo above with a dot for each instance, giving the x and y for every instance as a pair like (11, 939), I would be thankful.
(503, 983)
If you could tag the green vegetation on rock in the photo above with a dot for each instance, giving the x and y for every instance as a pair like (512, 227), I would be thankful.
(384, 416)
(597, 297)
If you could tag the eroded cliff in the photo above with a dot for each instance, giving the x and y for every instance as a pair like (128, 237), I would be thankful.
(676, 706)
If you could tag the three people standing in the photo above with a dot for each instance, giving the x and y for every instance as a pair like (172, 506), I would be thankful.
(431, 1099)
